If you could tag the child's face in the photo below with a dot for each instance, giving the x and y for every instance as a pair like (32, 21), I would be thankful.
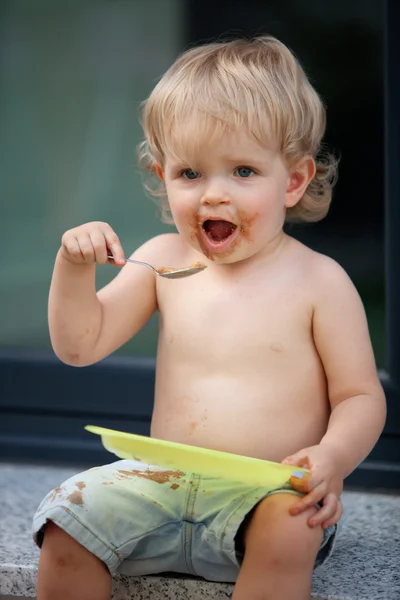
(231, 203)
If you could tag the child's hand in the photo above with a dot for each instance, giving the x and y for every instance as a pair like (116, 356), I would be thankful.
(324, 485)
(92, 243)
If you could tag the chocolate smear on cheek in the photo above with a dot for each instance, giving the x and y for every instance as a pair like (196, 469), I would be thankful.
(246, 223)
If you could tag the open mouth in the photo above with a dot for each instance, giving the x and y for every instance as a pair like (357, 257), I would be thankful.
(218, 231)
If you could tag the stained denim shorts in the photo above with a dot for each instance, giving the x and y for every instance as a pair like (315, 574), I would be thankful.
(140, 519)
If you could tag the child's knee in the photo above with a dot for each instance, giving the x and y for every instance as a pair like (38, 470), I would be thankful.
(57, 542)
(63, 551)
(286, 539)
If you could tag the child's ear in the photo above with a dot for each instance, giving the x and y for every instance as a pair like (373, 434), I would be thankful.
(299, 178)
(160, 172)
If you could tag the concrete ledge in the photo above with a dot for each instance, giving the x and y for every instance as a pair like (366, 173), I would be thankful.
(364, 565)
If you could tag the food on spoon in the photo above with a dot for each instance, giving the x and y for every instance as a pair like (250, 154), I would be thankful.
(197, 265)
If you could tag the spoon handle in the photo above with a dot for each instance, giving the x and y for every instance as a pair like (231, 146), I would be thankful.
(139, 262)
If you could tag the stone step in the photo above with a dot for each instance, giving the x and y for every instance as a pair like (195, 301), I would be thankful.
(364, 565)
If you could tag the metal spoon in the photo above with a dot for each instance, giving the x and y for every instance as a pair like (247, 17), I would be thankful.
(170, 274)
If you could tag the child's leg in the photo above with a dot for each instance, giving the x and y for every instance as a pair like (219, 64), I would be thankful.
(124, 517)
(67, 571)
(280, 552)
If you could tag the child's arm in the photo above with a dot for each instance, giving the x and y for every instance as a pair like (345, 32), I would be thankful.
(355, 393)
(86, 326)
(358, 407)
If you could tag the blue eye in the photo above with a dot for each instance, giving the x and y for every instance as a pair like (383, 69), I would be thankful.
(190, 174)
(244, 172)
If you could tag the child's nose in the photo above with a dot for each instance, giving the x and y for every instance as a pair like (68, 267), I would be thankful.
(215, 197)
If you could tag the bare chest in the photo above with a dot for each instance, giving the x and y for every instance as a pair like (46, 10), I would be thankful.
(235, 322)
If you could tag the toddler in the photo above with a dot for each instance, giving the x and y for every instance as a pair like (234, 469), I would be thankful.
(266, 353)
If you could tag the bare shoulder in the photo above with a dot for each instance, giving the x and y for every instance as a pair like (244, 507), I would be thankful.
(332, 284)
(324, 276)
(327, 271)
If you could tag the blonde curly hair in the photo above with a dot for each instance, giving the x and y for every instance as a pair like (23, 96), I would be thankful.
(254, 84)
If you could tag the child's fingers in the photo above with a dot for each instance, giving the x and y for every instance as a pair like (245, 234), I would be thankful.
(71, 246)
(299, 460)
(328, 510)
(99, 245)
(335, 518)
(86, 247)
(114, 246)
(311, 499)
(303, 482)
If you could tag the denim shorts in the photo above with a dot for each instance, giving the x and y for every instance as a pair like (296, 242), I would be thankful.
(141, 519)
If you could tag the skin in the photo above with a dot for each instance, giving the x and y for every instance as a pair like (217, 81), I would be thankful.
(270, 338)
